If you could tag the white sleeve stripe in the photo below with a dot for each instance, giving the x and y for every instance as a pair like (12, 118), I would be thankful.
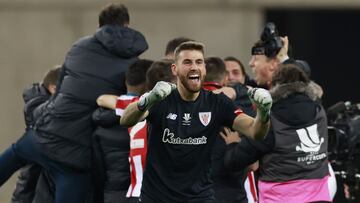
(119, 112)
(126, 97)
(139, 175)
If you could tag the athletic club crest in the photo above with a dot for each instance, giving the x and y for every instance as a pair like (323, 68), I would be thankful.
(205, 118)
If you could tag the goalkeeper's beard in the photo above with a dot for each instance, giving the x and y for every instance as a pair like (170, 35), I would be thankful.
(185, 81)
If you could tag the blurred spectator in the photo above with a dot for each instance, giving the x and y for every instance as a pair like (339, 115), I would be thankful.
(236, 72)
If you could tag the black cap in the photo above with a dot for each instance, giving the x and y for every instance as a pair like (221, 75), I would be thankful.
(304, 66)
(301, 64)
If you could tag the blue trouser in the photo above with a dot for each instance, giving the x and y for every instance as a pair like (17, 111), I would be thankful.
(70, 186)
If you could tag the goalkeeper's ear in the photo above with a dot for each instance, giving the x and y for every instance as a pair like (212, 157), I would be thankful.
(173, 69)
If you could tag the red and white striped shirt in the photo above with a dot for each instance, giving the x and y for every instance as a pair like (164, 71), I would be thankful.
(138, 146)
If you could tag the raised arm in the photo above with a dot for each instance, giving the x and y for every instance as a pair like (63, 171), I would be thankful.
(283, 53)
(133, 115)
(138, 110)
(255, 128)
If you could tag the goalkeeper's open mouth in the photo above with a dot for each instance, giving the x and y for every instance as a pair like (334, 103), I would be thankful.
(194, 78)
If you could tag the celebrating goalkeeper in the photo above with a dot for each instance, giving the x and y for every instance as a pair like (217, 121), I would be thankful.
(184, 121)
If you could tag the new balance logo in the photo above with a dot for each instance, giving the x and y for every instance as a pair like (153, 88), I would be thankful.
(171, 116)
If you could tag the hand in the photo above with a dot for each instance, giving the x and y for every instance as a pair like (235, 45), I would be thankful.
(159, 92)
(346, 191)
(263, 101)
(283, 53)
(230, 136)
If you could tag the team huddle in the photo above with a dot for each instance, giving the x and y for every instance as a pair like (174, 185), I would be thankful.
(106, 126)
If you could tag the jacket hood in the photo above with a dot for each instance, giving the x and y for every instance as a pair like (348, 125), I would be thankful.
(294, 103)
(33, 91)
(283, 91)
(122, 41)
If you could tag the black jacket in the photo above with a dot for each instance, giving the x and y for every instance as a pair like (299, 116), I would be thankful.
(111, 156)
(28, 177)
(229, 185)
(95, 65)
(33, 97)
(295, 106)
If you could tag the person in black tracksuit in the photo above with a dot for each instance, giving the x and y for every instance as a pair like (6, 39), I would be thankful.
(62, 137)
(112, 141)
(110, 144)
(228, 185)
(31, 176)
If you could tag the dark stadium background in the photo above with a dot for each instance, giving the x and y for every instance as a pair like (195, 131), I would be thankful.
(329, 41)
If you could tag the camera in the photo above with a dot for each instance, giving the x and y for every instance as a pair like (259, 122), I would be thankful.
(344, 130)
(344, 145)
(270, 43)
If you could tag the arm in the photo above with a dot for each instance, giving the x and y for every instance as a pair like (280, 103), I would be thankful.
(240, 155)
(107, 101)
(138, 110)
(251, 127)
(133, 115)
(247, 151)
(105, 117)
(255, 128)
(254, 166)
(283, 53)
